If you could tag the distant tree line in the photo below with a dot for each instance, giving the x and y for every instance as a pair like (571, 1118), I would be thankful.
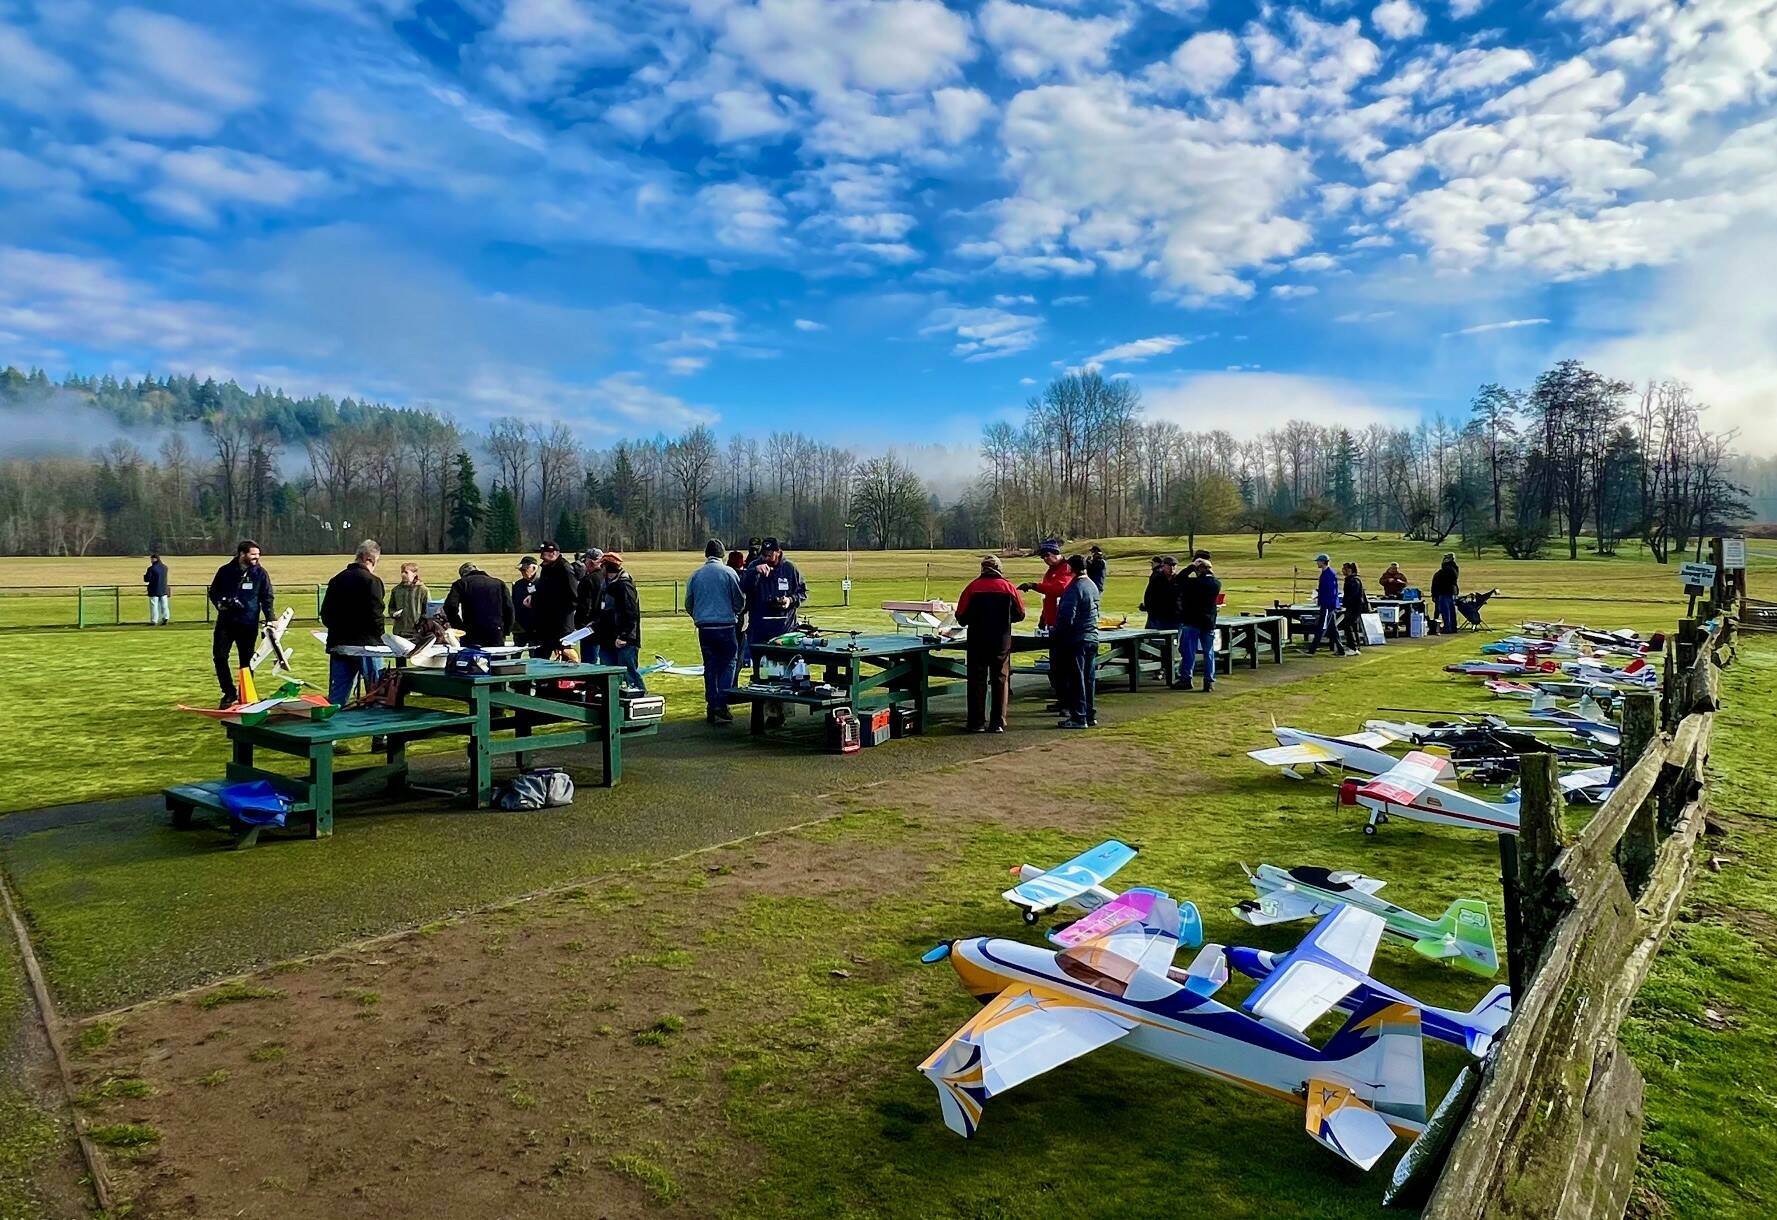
(193, 464)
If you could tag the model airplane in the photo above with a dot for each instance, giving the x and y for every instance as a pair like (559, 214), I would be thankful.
(1045, 1007)
(1077, 886)
(1513, 666)
(1488, 751)
(1299, 753)
(665, 665)
(1415, 789)
(927, 617)
(271, 643)
(1636, 673)
(287, 700)
(1464, 936)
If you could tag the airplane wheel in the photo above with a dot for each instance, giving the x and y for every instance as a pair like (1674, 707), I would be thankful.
(1030, 918)
(1369, 828)
(1381, 818)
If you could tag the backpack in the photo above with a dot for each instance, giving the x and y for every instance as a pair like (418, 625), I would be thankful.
(386, 692)
(539, 788)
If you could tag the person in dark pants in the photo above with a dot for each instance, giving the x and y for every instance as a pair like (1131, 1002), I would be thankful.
(774, 591)
(743, 646)
(1326, 601)
(480, 606)
(1096, 568)
(1357, 604)
(1445, 585)
(524, 618)
(554, 602)
(1075, 636)
(988, 607)
(242, 594)
(352, 612)
(618, 625)
(1198, 591)
(1056, 578)
(160, 611)
(1160, 598)
(714, 601)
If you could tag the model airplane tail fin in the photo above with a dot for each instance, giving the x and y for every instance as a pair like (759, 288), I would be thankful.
(1486, 1019)
(1467, 935)
(1338, 1119)
(1383, 1045)
(244, 681)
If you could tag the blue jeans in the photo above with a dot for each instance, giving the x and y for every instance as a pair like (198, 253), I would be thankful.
(1192, 640)
(1447, 612)
(344, 672)
(1326, 626)
(625, 657)
(1082, 681)
(721, 652)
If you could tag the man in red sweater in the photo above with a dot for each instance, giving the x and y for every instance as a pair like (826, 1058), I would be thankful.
(988, 608)
(1054, 583)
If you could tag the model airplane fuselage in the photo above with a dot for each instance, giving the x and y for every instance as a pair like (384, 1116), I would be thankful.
(1299, 753)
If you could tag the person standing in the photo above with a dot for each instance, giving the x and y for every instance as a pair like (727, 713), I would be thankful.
(554, 602)
(1096, 568)
(1326, 601)
(1357, 604)
(618, 627)
(1445, 585)
(743, 647)
(1393, 581)
(242, 594)
(524, 616)
(1057, 576)
(1075, 635)
(407, 603)
(988, 607)
(352, 612)
(480, 606)
(774, 592)
(1199, 592)
(1160, 598)
(714, 601)
(160, 611)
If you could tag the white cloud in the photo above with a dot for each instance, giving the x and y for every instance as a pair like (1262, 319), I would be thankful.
(744, 216)
(196, 184)
(1485, 327)
(1461, 9)
(29, 75)
(1138, 349)
(747, 114)
(1398, 19)
(831, 46)
(538, 46)
(1249, 403)
(959, 113)
(1034, 43)
(1476, 68)
(66, 298)
(168, 77)
(1023, 298)
(1287, 292)
(1203, 63)
(809, 326)
(983, 333)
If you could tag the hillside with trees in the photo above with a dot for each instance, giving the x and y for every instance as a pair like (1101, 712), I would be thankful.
(1574, 461)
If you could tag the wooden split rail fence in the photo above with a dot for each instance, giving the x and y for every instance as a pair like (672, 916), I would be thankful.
(1555, 1124)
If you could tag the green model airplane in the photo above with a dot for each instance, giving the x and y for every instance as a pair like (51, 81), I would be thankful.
(1464, 936)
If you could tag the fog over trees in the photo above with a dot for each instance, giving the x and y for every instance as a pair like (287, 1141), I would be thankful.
(1575, 461)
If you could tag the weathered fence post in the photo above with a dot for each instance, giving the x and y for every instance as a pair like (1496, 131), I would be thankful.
(1640, 843)
(1508, 884)
(1541, 835)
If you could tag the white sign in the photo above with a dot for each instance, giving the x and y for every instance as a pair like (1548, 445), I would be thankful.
(845, 584)
(1733, 554)
(1697, 575)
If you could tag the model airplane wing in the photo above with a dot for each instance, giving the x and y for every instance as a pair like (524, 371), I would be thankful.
(1409, 777)
(1304, 754)
(1319, 972)
(1070, 880)
(1022, 1032)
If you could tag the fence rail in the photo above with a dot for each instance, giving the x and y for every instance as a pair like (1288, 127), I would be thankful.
(1555, 1123)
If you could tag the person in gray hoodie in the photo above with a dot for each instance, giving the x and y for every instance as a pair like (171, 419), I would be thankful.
(714, 601)
(1074, 635)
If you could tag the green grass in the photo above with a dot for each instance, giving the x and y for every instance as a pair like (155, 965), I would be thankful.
(236, 993)
(28, 1135)
(124, 1135)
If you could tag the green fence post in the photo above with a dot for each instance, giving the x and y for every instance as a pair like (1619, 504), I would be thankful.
(117, 603)
(675, 599)
(320, 592)
(80, 605)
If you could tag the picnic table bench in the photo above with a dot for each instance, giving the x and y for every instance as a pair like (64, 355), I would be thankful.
(763, 698)
(868, 671)
(1130, 650)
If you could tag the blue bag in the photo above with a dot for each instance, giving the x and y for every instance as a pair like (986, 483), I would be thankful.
(256, 803)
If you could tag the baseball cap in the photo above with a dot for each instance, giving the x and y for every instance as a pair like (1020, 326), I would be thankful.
(547, 546)
(1323, 557)
(594, 554)
(611, 559)
(770, 544)
(529, 561)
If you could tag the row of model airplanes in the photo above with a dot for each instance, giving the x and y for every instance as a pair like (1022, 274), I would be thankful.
(1108, 977)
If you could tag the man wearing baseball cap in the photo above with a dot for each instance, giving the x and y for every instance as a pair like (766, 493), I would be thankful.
(524, 618)
(553, 602)
(1326, 601)
(480, 606)
(617, 627)
(1056, 579)
(988, 607)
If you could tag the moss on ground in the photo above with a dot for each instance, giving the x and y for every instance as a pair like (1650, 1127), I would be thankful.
(28, 1136)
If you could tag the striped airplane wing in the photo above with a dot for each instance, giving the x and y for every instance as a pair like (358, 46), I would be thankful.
(1070, 880)
(1319, 972)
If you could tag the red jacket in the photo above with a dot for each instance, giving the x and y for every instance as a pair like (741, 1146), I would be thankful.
(988, 608)
(1054, 583)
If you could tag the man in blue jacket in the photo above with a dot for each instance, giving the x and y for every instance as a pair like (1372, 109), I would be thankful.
(159, 592)
(1074, 642)
(714, 600)
(1326, 600)
(774, 590)
(242, 594)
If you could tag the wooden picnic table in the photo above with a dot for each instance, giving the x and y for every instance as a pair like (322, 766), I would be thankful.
(1302, 615)
(867, 672)
(1252, 633)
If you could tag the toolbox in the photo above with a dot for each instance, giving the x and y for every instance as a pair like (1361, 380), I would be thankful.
(873, 726)
(639, 708)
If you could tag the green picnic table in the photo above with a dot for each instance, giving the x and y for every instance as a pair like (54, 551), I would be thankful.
(1129, 649)
(867, 671)
(1251, 634)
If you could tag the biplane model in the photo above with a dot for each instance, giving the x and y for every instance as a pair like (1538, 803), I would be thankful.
(1044, 1007)
(930, 617)
(1463, 936)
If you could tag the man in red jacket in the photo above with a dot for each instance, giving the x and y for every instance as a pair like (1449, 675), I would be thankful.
(1054, 583)
(988, 608)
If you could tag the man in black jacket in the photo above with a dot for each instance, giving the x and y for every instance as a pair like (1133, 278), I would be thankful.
(524, 616)
(159, 592)
(352, 612)
(1160, 598)
(988, 608)
(242, 594)
(553, 604)
(618, 625)
(1198, 590)
(1446, 583)
(480, 606)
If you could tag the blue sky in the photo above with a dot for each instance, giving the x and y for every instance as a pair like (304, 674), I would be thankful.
(886, 221)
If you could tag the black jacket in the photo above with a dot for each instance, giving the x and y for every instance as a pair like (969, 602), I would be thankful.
(552, 605)
(523, 617)
(1443, 581)
(241, 595)
(480, 606)
(156, 579)
(1160, 599)
(1095, 570)
(1356, 600)
(589, 596)
(352, 608)
(988, 608)
(1197, 595)
(619, 612)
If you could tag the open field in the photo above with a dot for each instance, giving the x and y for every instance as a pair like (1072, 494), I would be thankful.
(734, 1031)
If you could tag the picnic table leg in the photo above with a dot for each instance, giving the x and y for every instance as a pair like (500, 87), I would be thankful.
(321, 786)
(1276, 645)
(481, 759)
(922, 690)
(396, 756)
(1169, 658)
(612, 742)
(757, 724)
(1252, 645)
(523, 729)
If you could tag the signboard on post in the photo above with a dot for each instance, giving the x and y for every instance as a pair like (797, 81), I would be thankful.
(1696, 576)
(1733, 554)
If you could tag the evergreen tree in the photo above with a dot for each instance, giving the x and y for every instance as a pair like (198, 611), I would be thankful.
(465, 506)
(570, 532)
(502, 519)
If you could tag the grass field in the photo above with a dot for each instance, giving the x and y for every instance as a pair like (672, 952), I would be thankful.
(733, 1032)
